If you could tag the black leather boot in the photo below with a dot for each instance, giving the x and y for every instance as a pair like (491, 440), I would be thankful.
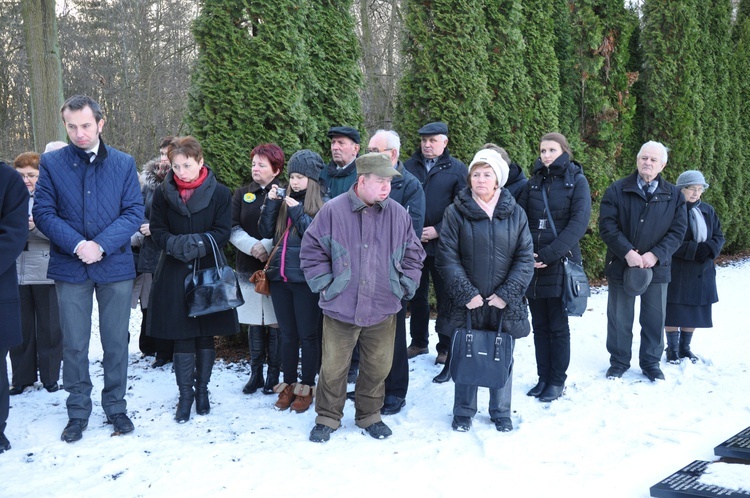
(204, 364)
(274, 360)
(184, 365)
(146, 343)
(257, 354)
(673, 345)
(445, 374)
(685, 352)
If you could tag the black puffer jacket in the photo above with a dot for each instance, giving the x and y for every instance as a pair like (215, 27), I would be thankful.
(479, 255)
(569, 201)
(289, 251)
(628, 221)
(516, 180)
(441, 184)
(148, 253)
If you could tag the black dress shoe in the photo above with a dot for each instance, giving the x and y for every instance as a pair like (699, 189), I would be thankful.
(443, 376)
(121, 422)
(537, 389)
(74, 430)
(15, 391)
(551, 393)
(615, 372)
(653, 372)
(350, 396)
(503, 424)
(392, 405)
(158, 362)
(4, 443)
(461, 424)
(52, 388)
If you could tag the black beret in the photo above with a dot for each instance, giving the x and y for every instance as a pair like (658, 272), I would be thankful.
(436, 128)
(344, 131)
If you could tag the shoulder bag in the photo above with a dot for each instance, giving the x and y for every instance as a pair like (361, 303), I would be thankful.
(259, 277)
(214, 289)
(576, 290)
(481, 357)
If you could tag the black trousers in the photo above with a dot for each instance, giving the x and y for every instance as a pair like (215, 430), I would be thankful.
(4, 390)
(551, 339)
(397, 382)
(419, 306)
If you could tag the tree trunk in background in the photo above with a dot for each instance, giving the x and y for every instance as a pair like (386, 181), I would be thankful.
(45, 72)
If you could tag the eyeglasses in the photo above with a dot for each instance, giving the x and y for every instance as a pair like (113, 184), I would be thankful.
(375, 149)
(29, 176)
(695, 190)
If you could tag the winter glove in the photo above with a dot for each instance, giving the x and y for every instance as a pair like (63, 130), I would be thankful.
(702, 252)
(186, 247)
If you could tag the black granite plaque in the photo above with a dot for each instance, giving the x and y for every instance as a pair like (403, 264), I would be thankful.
(737, 446)
(684, 482)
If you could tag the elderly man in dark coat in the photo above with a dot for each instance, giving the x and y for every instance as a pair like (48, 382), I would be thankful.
(14, 228)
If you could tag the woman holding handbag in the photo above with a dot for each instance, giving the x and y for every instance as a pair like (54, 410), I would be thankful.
(188, 209)
(485, 257)
(252, 255)
(285, 218)
(556, 233)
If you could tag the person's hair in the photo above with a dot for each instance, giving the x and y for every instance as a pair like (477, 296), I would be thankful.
(503, 153)
(273, 153)
(664, 150)
(27, 160)
(187, 146)
(311, 206)
(166, 141)
(560, 139)
(80, 102)
(392, 140)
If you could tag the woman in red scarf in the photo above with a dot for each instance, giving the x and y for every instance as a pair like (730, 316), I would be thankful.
(189, 204)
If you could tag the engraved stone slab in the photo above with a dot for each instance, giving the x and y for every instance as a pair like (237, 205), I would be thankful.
(685, 482)
(737, 446)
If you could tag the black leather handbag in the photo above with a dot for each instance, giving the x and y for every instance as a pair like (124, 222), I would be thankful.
(481, 357)
(214, 289)
(576, 290)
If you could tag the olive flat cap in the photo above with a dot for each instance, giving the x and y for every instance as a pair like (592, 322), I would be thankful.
(377, 163)
(344, 131)
(436, 128)
(636, 280)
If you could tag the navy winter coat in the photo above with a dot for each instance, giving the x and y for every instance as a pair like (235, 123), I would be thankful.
(441, 184)
(628, 221)
(407, 191)
(338, 180)
(694, 282)
(76, 201)
(479, 255)
(569, 201)
(516, 180)
(14, 229)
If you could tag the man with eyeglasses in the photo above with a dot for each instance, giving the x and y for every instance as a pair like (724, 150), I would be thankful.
(642, 220)
(442, 176)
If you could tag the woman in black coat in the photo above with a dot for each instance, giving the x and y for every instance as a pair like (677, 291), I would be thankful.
(285, 219)
(692, 289)
(188, 205)
(485, 257)
(569, 201)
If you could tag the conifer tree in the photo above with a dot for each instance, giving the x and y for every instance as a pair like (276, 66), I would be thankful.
(249, 82)
(510, 91)
(333, 97)
(445, 79)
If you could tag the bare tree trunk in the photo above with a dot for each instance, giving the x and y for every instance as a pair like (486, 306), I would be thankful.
(45, 72)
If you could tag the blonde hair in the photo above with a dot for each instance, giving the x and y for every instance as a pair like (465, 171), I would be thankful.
(311, 206)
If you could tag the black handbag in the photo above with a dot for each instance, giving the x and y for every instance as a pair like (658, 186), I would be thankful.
(576, 290)
(214, 289)
(481, 357)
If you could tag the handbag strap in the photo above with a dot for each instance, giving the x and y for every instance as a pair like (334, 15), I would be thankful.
(469, 339)
(549, 217)
(275, 248)
(218, 256)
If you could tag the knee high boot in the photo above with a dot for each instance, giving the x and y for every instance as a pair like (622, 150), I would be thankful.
(184, 365)
(146, 343)
(445, 374)
(685, 352)
(257, 353)
(204, 364)
(673, 344)
(274, 360)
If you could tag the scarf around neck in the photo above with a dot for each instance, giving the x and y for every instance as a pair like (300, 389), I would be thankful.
(489, 206)
(187, 189)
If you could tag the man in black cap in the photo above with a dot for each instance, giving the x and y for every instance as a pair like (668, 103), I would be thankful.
(642, 220)
(442, 176)
(341, 172)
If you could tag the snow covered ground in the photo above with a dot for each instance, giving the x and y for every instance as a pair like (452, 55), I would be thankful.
(613, 438)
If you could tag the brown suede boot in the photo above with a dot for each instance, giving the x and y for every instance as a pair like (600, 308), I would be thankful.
(303, 398)
(286, 395)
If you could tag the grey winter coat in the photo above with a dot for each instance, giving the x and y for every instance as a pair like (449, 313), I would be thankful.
(32, 264)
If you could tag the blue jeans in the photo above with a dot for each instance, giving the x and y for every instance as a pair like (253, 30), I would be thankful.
(76, 303)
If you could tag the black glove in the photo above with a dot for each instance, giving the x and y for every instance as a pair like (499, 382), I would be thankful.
(703, 252)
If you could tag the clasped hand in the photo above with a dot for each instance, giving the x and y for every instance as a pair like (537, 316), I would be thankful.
(477, 302)
(89, 252)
